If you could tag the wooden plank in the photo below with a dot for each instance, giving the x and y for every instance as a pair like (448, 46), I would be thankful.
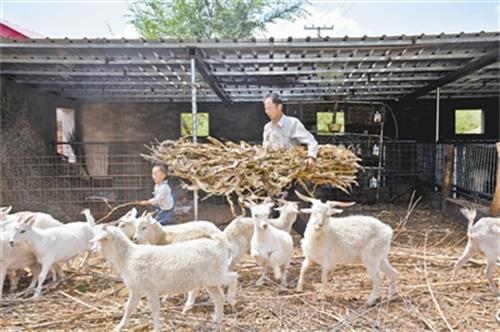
(448, 170)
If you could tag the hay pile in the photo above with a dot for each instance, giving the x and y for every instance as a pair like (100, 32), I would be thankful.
(246, 170)
(423, 252)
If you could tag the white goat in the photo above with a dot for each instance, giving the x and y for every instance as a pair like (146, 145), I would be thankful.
(288, 215)
(239, 232)
(128, 223)
(12, 259)
(42, 220)
(52, 245)
(330, 241)
(155, 270)
(483, 238)
(270, 246)
(150, 231)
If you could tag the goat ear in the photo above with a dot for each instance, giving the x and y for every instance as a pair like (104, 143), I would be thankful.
(100, 236)
(249, 204)
(30, 220)
(151, 220)
(334, 211)
(130, 213)
(308, 210)
(281, 201)
(7, 210)
(278, 209)
(269, 205)
(144, 214)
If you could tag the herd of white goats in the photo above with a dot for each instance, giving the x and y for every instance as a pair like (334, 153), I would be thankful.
(156, 260)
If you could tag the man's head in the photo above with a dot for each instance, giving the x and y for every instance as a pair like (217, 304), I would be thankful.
(273, 105)
(159, 173)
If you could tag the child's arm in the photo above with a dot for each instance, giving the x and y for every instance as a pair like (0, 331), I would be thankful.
(145, 203)
(162, 198)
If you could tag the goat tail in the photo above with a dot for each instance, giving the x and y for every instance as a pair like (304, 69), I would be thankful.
(470, 215)
(89, 217)
(221, 241)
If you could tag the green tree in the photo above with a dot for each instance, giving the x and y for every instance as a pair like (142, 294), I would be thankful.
(155, 19)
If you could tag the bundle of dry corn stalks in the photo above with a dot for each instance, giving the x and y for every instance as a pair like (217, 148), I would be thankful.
(247, 170)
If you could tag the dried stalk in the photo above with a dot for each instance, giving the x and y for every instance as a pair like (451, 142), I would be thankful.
(113, 210)
(246, 170)
(430, 287)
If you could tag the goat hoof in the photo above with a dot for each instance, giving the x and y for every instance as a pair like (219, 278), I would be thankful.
(393, 292)
(232, 302)
(215, 322)
(187, 309)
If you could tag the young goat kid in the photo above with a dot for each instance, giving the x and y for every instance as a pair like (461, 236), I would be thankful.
(270, 246)
(150, 231)
(155, 270)
(239, 232)
(483, 238)
(330, 241)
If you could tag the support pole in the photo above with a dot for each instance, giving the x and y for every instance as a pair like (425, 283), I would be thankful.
(436, 138)
(495, 204)
(194, 125)
(437, 115)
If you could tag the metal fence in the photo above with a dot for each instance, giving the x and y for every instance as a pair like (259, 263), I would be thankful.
(54, 185)
(475, 171)
(51, 184)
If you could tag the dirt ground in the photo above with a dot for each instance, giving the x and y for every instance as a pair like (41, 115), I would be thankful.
(424, 252)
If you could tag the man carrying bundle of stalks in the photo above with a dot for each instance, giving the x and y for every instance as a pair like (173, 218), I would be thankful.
(285, 132)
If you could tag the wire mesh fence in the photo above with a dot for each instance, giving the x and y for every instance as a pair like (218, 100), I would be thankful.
(54, 185)
(51, 184)
(475, 170)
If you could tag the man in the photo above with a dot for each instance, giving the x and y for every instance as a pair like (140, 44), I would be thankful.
(286, 131)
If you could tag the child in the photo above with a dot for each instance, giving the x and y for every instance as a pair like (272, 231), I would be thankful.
(162, 201)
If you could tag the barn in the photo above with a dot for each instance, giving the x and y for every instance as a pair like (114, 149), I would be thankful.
(421, 111)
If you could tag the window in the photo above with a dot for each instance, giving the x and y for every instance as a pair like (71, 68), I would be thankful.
(65, 133)
(329, 123)
(202, 124)
(469, 122)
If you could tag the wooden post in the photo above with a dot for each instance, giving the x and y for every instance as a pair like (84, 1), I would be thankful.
(448, 171)
(495, 204)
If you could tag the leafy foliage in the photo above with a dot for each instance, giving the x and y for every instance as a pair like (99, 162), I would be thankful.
(468, 121)
(155, 19)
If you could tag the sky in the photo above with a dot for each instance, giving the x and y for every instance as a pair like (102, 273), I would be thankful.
(100, 18)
